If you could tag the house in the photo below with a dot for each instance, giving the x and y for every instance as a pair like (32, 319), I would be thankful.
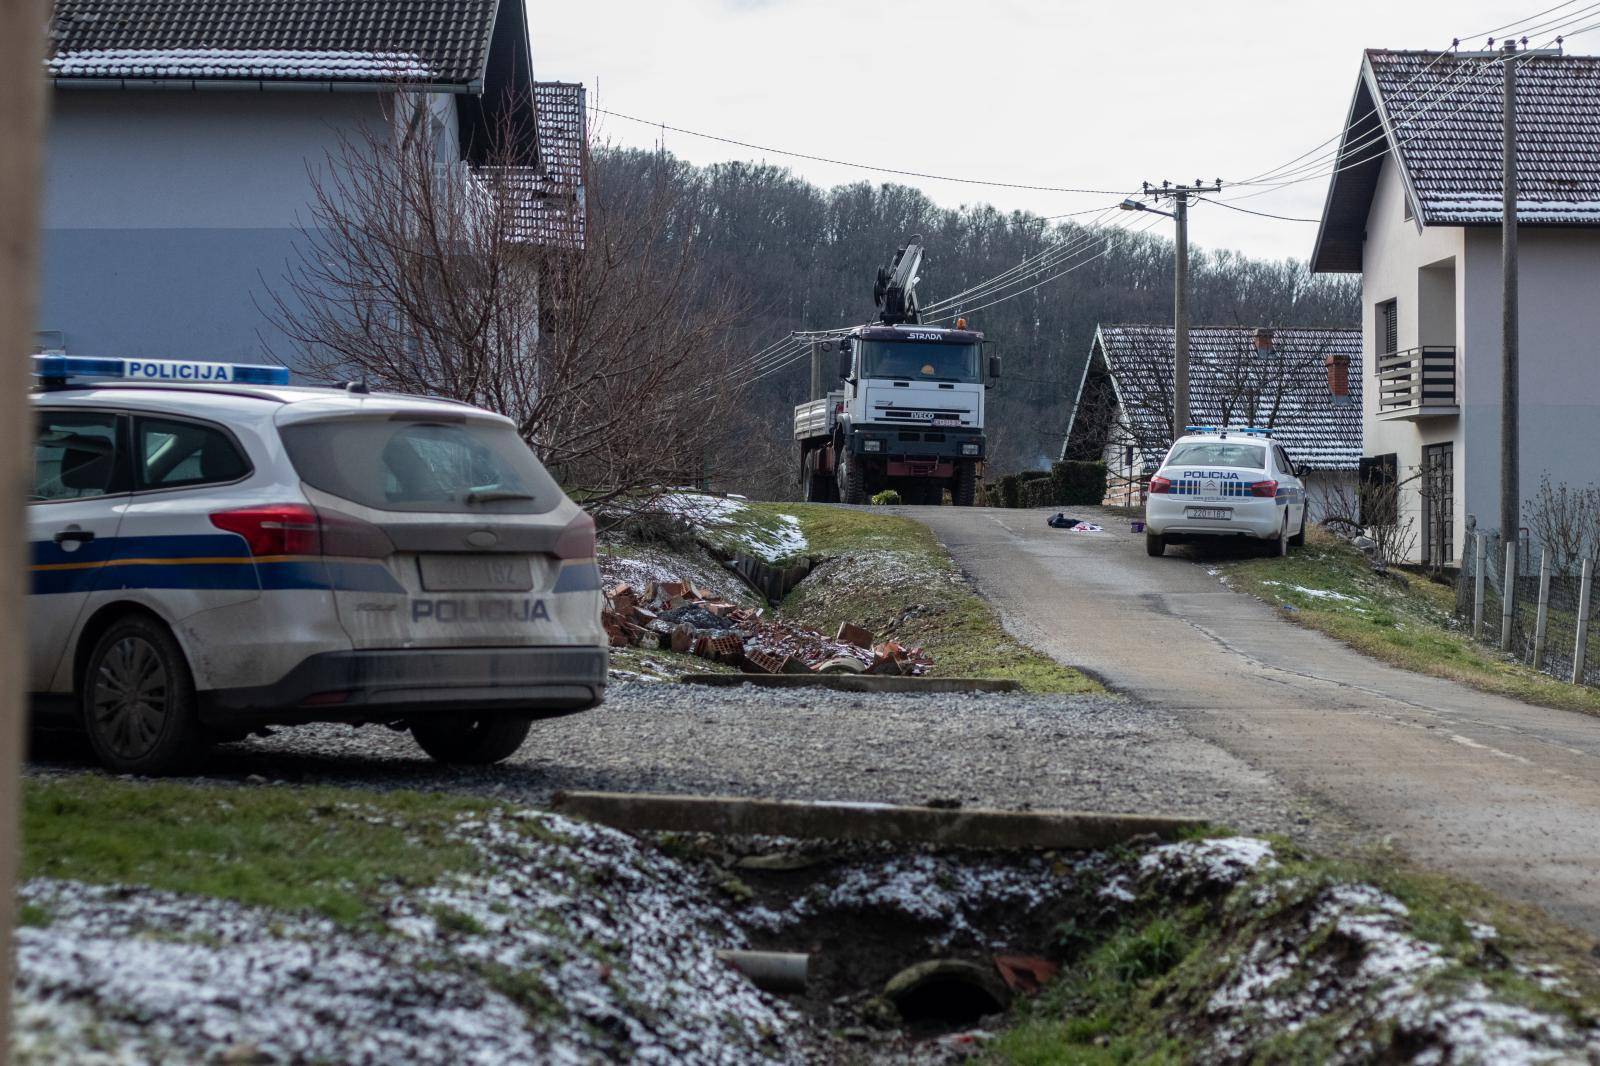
(1414, 207)
(1294, 382)
(187, 138)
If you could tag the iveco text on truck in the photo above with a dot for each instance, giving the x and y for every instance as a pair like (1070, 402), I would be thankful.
(910, 413)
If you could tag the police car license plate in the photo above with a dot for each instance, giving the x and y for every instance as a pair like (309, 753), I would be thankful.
(475, 573)
(1222, 513)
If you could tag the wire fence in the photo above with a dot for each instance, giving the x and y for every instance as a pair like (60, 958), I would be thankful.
(1552, 620)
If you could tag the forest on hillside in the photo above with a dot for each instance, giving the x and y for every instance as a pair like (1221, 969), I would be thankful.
(793, 256)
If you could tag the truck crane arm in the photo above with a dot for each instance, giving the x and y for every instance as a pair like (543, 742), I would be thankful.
(896, 289)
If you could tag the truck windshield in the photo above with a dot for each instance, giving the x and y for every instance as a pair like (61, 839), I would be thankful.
(928, 361)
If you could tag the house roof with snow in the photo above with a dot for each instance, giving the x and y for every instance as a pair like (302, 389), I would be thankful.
(1440, 118)
(1284, 388)
(438, 42)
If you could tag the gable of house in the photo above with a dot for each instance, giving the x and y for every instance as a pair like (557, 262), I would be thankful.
(1440, 119)
(1285, 388)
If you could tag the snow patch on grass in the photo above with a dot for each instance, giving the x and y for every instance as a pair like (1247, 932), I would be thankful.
(579, 946)
(730, 524)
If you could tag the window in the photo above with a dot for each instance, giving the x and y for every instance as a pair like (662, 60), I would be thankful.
(1283, 460)
(1388, 328)
(928, 361)
(172, 454)
(1378, 490)
(1219, 453)
(75, 456)
(445, 466)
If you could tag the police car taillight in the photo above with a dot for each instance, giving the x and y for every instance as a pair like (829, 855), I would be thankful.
(1268, 489)
(274, 529)
(577, 540)
(1160, 484)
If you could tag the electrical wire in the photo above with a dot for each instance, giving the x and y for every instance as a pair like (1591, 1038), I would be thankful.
(848, 163)
(1263, 214)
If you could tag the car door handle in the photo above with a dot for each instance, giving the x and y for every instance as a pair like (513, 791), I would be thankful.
(76, 536)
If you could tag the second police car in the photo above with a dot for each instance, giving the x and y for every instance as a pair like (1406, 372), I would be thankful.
(215, 551)
(1226, 483)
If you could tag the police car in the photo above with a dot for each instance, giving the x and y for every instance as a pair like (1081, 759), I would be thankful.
(215, 551)
(1226, 483)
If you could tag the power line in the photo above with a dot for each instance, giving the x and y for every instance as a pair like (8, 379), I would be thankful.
(1263, 214)
(848, 163)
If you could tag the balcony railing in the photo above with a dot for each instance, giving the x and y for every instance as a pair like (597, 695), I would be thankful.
(1418, 381)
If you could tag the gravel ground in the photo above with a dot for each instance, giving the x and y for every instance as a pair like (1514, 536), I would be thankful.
(1012, 751)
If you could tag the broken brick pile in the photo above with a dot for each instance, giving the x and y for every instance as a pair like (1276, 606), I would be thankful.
(690, 620)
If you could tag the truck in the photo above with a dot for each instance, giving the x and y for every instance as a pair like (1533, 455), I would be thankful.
(909, 412)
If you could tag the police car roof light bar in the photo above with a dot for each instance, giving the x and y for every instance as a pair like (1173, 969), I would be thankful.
(56, 370)
(1199, 429)
(1256, 431)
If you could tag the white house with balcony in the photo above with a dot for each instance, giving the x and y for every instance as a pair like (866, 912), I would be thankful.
(1415, 207)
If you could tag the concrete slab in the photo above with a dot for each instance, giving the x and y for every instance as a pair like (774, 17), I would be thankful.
(973, 827)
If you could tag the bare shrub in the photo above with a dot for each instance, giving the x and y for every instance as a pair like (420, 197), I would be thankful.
(1373, 511)
(594, 331)
(1566, 522)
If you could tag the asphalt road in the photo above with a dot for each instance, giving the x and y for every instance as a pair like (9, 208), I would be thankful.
(1501, 792)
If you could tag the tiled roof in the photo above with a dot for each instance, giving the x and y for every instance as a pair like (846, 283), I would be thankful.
(1230, 383)
(1446, 115)
(550, 197)
(437, 41)
(1442, 116)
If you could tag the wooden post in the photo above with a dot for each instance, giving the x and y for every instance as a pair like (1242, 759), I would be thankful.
(1543, 618)
(1477, 588)
(1508, 595)
(1580, 648)
(22, 82)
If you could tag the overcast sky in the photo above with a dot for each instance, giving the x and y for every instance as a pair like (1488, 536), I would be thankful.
(1095, 95)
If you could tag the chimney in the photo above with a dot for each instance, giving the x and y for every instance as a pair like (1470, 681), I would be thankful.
(1263, 339)
(1338, 374)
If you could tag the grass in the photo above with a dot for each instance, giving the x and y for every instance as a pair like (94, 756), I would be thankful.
(1402, 619)
(320, 849)
(895, 579)
(1135, 991)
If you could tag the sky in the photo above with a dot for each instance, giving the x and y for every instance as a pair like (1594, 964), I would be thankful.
(1066, 94)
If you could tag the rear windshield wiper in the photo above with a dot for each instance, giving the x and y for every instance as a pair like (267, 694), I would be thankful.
(496, 495)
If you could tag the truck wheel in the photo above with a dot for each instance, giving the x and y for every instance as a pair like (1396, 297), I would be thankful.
(471, 741)
(852, 480)
(964, 493)
(138, 702)
(819, 488)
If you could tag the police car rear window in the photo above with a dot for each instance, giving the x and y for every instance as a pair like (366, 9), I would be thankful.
(421, 465)
(1218, 453)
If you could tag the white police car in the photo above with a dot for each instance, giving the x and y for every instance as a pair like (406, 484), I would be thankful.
(1225, 483)
(215, 551)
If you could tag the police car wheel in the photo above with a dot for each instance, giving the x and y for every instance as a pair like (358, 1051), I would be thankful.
(1299, 539)
(138, 700)
(1279, 545)
(471, 741)
(1154, 543)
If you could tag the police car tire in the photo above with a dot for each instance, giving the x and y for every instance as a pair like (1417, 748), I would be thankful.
(471, 741)
(179, 740)
(1154, 544)
(1279, 545)
(1299, 539)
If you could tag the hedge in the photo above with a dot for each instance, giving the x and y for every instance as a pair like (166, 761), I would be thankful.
(1066, 484)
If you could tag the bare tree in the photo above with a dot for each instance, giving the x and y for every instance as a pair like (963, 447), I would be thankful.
(1373, 511)
(579, 314)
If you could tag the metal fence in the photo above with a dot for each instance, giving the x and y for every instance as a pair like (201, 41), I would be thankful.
(1516, 598)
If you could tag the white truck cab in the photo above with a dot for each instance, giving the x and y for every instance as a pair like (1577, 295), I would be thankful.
(214, 551)
(1225, 483)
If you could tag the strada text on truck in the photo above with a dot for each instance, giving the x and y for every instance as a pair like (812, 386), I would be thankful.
(910, 415)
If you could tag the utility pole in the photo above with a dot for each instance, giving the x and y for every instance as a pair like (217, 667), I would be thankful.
(1181, 196)
(1509, 57)
(21, 131)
